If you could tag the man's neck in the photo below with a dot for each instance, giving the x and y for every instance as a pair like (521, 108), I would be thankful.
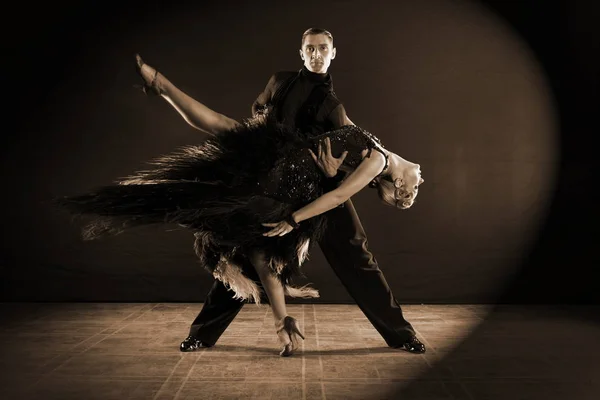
(314, 75)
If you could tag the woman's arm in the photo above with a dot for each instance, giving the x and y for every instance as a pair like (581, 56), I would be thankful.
(368, 169)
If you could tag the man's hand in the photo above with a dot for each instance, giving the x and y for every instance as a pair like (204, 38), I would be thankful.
(325, 161)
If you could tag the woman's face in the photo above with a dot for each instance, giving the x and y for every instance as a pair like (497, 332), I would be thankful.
(402, 192)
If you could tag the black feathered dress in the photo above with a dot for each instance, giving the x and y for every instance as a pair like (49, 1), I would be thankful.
(223, 190)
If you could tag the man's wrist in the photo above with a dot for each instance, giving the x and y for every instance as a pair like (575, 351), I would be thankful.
(338, 177)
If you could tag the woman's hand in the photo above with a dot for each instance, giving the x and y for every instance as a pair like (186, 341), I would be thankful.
(279, 228)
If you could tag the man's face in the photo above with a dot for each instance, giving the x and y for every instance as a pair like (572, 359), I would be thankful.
(317, 52)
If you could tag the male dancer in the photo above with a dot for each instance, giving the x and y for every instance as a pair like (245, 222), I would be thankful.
(306, 100)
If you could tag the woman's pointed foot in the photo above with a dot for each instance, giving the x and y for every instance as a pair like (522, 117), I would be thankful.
(149, 75)
(288, 334)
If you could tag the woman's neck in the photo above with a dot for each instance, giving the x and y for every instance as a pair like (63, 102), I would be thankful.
(398, 166)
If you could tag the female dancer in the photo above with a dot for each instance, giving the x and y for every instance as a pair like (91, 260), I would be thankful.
(245, 177)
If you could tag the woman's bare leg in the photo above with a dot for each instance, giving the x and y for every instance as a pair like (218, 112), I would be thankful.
(193, 112)
(285, 326)
(272, 286)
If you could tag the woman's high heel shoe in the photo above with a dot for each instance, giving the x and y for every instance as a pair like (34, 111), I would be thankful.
(152, 87)
(289, 328)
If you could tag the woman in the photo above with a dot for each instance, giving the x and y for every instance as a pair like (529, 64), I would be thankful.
(245, 177)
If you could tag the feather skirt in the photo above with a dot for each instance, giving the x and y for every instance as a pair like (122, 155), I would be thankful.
(222, 190)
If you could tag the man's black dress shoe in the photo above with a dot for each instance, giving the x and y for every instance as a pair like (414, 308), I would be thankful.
(412, 345)
(191, 343)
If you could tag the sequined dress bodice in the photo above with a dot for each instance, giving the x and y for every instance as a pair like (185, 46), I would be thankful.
(296, 179)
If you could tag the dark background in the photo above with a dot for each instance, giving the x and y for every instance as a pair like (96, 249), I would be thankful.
(495, 99)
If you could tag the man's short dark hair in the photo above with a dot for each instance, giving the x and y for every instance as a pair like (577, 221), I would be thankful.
(317, 31)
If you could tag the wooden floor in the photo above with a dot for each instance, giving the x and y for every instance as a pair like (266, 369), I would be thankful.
(130, 351)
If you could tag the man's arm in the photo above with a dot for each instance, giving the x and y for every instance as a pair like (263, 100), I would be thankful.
(329, 165)
(326, 162)
(339, 118)
(264, 97)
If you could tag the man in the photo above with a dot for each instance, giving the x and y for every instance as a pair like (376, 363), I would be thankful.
(306, 100)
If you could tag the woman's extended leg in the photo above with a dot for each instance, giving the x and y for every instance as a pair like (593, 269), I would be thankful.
(286, 326)
(193, 112)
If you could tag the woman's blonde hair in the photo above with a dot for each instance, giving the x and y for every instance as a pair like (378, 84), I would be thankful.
(394, 193)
